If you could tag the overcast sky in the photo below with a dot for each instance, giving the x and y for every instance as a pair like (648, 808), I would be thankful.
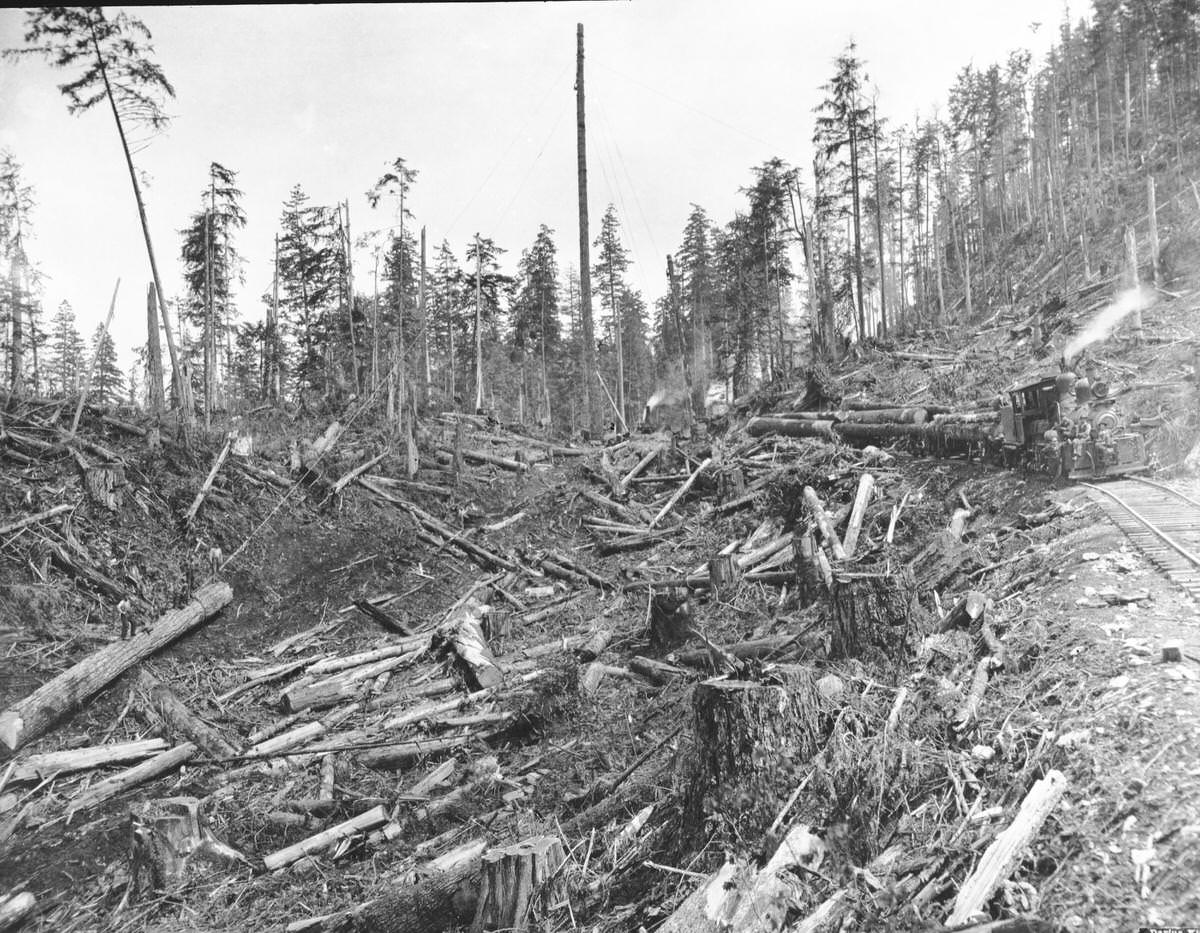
(684, 97)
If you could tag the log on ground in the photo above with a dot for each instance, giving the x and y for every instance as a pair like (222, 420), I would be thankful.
(31, 717)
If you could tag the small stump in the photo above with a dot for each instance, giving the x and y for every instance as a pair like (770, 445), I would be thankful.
(170, 843)
(670, 619)
(752, 740)
(723, 574)
(520, 884)
(809, 585)
(875, 616)
(104, 484)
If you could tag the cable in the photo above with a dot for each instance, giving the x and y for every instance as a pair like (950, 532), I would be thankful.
(533, 165)
(681, 103)
(551, 88)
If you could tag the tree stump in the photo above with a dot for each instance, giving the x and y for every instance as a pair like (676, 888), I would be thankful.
(670, 619)
(170, 843)
(875, 616)
(104, 483)
(731, 484)
(520, 884)
(723, 573)
(752, 742)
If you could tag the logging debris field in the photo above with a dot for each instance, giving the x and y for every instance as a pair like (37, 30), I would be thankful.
(664, 682)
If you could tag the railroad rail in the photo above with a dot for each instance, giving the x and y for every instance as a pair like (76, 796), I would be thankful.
(1163, 523)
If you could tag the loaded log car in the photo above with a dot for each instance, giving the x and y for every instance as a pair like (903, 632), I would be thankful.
(1070, 427)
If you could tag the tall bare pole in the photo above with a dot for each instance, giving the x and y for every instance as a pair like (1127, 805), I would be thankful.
(154, 373)
(350, 301)
(273, 374)
(585, 272)
(209, 317)
(478, 326)
(424, 324)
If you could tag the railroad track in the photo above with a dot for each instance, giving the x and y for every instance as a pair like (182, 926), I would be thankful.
(1163, 523)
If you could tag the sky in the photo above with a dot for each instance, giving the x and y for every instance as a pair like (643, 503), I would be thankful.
(684, 97)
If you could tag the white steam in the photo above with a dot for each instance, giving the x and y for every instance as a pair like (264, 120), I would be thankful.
(1128, 301)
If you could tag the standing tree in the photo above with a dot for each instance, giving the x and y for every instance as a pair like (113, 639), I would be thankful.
(487, 284)
(16, 203)
(66, 351)
(108, 382)
(115, 57)
(307, 278)
(843, 125)
(396, 183)
(609, 272)
(535, 315)
(211, 264)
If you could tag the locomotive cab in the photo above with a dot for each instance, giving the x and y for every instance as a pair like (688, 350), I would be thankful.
(1071, 427)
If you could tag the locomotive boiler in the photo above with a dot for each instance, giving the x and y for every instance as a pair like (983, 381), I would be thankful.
(1069, 426)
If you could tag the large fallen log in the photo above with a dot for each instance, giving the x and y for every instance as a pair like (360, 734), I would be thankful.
(364, 822)
(441, 895)
(789, 427)
(32, 716)
(175, 714)
(39, 767)
(132, 777)
(402, 754)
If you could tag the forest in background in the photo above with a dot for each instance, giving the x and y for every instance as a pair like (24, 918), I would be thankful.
(1028, 167)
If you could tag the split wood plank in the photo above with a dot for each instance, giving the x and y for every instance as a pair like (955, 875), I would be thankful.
(1007, 849)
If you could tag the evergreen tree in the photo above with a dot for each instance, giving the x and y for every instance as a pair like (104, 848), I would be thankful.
(65, 351)
(16, 204)
(108, 382)
(535, 324)
(446, 308)
(609, 281)
(118, 68)
(211, 266)
(842, 127)
(308, 276)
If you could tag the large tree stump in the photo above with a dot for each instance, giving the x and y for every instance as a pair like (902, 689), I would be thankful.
(752, 741)
(875, 616)
(520, 884)
(170, 844)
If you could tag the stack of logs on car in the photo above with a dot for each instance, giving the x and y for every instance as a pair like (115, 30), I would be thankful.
(870, 423)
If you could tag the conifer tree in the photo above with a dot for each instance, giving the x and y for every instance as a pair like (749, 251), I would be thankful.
(117, 68)
(65, 351)
(108, 381)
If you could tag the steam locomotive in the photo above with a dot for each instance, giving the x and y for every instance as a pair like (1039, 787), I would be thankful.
(1069, 426)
